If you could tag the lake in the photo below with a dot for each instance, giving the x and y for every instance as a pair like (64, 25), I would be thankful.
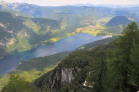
(10, 62)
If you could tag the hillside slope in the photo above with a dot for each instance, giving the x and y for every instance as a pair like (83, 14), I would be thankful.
(116, 24)
(71, 73)
(38, 66)
(118, 20)
(97, 43)
(104, 68)
(35, 67)
(20, 33)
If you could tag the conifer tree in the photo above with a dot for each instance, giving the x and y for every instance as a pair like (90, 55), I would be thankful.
(97, 78)
(122, 64)
(17, 83)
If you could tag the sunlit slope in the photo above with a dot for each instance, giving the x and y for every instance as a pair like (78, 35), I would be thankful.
(20, 33)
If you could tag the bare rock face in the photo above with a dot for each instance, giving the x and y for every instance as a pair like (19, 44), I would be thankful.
(68, 75)
(61, 76)
(72, 70)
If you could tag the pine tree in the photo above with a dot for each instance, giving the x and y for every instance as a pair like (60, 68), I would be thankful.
(122, 64)
(17, 83)
(97, 78)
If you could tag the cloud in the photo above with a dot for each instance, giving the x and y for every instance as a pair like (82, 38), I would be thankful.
(70, 2)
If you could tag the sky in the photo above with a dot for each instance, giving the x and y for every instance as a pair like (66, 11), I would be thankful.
(72, 2)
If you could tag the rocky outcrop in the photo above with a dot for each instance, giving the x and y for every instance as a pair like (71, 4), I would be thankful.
(61, 76)
(72, 70)
(68, 75)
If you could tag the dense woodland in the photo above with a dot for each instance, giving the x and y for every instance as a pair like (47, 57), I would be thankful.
(112, 67)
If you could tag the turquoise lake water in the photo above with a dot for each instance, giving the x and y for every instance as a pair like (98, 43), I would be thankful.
(10, 62)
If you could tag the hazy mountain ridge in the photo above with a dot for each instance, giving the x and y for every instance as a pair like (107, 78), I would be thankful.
(40, 11)
(17, 13)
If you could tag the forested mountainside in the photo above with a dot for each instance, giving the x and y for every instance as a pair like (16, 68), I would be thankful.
(71, 73)
(97, 43)
(19, 33)
(116, 24)
(108, 68)
(118, 20)
(35, 67)
(112, 67)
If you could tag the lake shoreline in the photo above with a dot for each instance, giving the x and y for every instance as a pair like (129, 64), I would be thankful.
(65, 44)
(42, 45)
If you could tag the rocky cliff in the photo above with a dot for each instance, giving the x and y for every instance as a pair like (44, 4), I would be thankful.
(71, 68)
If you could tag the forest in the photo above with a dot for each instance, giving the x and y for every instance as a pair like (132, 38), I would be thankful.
(112, 67)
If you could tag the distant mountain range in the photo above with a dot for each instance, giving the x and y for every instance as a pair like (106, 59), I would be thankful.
(16, 4)
(106, 5)
(40, 11)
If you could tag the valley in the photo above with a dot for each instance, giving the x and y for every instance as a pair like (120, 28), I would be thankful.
(10, 62)
(32, 32)
(41, 25)
(29, 59)
(60, 48)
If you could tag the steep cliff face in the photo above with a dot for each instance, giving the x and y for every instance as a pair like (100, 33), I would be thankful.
(71, 68)
(62, 76)
(68, 74)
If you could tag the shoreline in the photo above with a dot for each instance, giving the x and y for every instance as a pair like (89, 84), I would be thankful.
(48, 43)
